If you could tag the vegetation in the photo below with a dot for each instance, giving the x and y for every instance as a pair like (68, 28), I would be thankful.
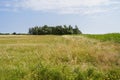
(113, 37)
(29, 57)
(4, 33)
(55, 30)
(14, 33)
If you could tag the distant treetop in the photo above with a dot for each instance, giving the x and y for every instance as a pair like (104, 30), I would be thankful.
(54, 30)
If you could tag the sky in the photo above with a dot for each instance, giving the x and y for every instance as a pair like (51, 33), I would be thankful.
(91, 16)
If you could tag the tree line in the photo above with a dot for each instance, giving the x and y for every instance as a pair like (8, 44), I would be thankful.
(14, 33)
(54, 30)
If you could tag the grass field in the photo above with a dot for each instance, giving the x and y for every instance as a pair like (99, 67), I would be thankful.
(113, 37)
(28, 57)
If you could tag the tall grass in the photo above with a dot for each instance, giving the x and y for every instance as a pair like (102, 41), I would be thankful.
(58, 58)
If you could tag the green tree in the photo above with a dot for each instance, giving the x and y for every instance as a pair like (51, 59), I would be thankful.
(76, 30)
(14, 33)
(56, 30)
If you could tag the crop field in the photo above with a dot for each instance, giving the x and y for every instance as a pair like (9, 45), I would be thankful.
(113, 37)
(67, 57)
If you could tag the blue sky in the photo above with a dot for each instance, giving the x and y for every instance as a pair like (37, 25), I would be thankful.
(91, 16)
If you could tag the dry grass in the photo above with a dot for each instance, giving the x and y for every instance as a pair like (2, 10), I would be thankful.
(20, 56)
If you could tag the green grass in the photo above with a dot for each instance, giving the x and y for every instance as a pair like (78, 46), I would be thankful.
(113, 37)
(27, 57)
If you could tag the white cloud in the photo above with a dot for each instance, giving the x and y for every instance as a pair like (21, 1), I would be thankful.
(65, 6)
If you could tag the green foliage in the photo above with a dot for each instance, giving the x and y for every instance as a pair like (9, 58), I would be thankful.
(14, 33)
(45, 73)
(113, 74)
(80, 76)
(56, 30)
(114, 37)
(76, 30)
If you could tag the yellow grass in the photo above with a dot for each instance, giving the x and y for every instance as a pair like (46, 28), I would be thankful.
(19, 55)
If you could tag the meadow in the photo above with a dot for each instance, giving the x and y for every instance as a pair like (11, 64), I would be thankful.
(113, 37)
(53, 57)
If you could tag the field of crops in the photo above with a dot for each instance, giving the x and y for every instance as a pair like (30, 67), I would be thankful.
(28, 57)
(113, 37)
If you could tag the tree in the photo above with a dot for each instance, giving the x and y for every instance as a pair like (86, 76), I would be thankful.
(14, 33)
(76, 30)
(56, 30)
(70, 31)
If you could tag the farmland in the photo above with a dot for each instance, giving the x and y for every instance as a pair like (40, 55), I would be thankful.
(113, 37)
(67, 57)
